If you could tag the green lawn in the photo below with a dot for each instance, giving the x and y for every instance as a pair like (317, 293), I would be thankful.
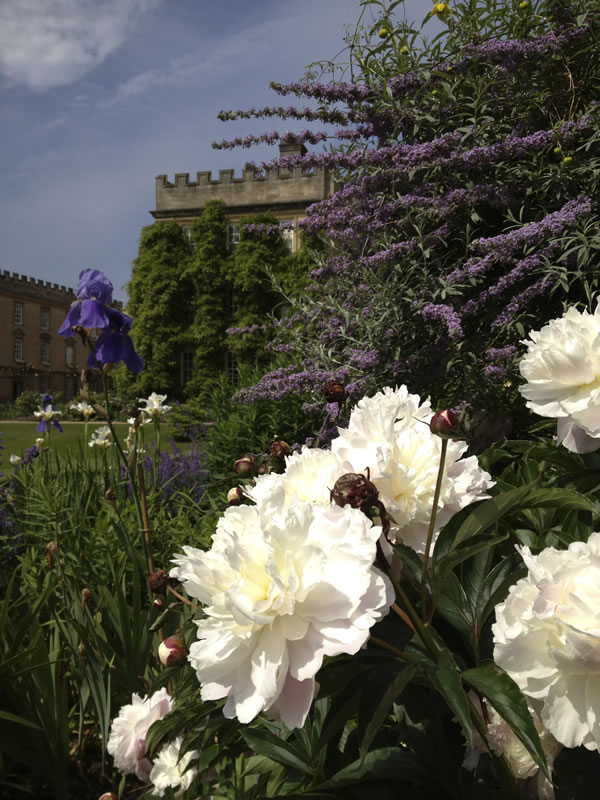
(18, 436)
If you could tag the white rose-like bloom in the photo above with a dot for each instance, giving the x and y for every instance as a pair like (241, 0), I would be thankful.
(504, 742)
(389, 434)
(562, 370)
(170, 771)
(547, 638)
(309, 477)
(154, 407)
(101, 437)
(127, 740)
(281, 592)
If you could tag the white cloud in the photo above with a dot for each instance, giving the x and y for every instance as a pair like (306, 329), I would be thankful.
(49, 43)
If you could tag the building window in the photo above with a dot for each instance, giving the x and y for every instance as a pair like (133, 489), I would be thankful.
(187, 367)
(45, 319)
(70, 355)
(231, 368)
(231, 303)
(18, 316)
(287, 231)
(45, 352)
(233, 236)
(18, 349)
(44, 382)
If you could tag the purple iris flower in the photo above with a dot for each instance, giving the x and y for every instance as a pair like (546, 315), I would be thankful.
(94, 293)
(114, 343)
(47, 400)
(46, 415)
(91, 310)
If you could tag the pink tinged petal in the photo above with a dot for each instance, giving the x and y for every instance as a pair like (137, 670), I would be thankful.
(565, 713)
(269, 665)
(306, 655)
(592, 699)
(589, 418)
(324, 602)
(574, 438)
(216, 691)
(293, 704)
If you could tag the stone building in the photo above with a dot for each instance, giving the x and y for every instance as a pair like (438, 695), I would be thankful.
(286, 193)
(33, 357)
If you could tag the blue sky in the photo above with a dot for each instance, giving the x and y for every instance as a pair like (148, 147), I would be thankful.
(99, 96)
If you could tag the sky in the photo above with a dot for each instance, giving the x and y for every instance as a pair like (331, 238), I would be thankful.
(97, 97)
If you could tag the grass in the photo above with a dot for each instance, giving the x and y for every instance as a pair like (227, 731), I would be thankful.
(18, 436)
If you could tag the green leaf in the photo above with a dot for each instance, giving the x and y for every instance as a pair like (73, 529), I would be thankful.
(505, 696)
(387, 762)
(14, 718)
(266, 744)
(373, 711)
(558, 498)
(447, 681)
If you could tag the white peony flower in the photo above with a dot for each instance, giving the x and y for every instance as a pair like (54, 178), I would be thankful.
(154, 407)
(562, 370)
(547, 638)
(127, 739)
(281, 592)
(101, 437)
(504, 742)
(309, 477)
(389, 435)
(85, 409)
(170, 771)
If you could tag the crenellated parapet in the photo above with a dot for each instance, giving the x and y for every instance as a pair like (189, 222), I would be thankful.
(13, 283)
(276, 189)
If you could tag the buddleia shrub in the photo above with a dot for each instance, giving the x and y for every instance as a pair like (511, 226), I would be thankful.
(467, 206)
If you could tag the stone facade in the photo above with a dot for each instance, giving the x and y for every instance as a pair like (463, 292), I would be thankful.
(33, 357)
(284, 193)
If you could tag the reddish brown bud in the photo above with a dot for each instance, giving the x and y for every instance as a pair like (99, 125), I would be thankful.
(51, 552)
(82, 652)
(245, 465)
(279, 449)
(86, 597)
(445, 423)
(159, 603)
(354, 489)
(108, 796)
(111, 497)
(172, 651)
(234, 496)
(334, 392)
(158, 581)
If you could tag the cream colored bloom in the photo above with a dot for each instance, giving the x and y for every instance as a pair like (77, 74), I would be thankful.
(101, 437)
(389, 435)
(547, 637)
(308, 478)
(154, 407)
(562, 370)
(281, 592)
(127, 739)
(85, 409)
(170, 771)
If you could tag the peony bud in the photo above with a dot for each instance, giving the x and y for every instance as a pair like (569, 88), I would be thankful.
(86, 597)
(355, 490)
(158, 581)
(334, 392)
(245, 465)
(445, 423)
(279, 449)
(159, 603)
(108, 796)
(234, 496)
(171, 651)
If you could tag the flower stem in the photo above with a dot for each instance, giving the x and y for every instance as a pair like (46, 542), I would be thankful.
(436, 498)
